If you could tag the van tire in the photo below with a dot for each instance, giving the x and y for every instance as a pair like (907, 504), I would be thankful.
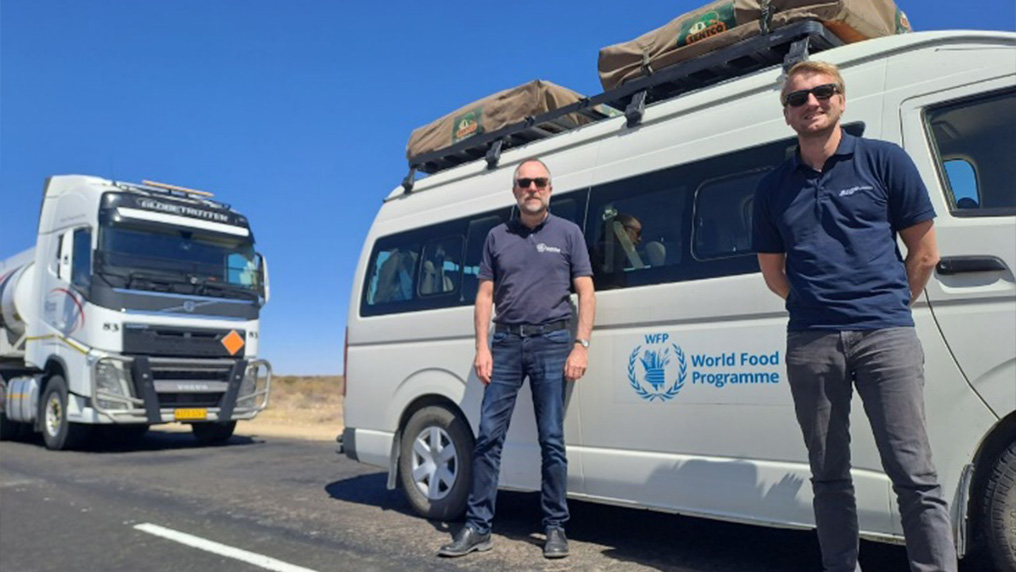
(57, 432)
(999, 510)
(209, 433)
(432, 425)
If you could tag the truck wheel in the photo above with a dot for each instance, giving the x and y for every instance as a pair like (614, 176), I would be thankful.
(435, 463)
(208, 433)
(1000, 510)
(57, 431)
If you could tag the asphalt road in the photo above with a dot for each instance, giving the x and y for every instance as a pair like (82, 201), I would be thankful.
(299, 503)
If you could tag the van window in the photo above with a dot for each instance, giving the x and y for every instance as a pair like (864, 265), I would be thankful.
(974, 142)
(687, 222)
(723, 212)
(441, 267)
(427, 268)
(476, 236)
(634, 232)
(81, 271)
(391, 277)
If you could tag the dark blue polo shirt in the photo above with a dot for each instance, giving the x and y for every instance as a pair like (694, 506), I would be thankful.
(533, 269)
(838, 230)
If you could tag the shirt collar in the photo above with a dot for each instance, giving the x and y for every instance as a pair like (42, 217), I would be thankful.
(516, 223)
(846, 148)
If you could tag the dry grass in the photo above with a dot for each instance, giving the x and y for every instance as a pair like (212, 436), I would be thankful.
(308, 406)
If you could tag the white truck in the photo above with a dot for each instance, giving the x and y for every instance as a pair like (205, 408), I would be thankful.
(138, 305)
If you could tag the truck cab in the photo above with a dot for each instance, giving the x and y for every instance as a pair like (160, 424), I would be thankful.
(139, 306)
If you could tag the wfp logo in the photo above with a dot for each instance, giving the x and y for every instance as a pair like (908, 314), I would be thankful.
(544, 248)
(663, 368)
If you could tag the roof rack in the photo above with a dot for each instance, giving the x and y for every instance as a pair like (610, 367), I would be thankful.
(152, 187)
(787, 45)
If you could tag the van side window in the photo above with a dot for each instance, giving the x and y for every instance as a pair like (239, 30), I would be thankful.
(391, 277)
(81, 271)
(633, 232)
(427, 268)
(723, 212)
(687, 222)
(441, 267)
(973, 141)
(476, 236)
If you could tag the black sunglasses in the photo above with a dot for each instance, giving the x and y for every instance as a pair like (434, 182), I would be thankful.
(821, 93)
(524, 182)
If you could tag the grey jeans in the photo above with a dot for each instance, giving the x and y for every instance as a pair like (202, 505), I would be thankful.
(887, 367)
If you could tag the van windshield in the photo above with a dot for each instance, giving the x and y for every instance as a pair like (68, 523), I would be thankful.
(181, 260)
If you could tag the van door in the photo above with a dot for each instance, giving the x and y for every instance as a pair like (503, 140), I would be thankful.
(966, 138)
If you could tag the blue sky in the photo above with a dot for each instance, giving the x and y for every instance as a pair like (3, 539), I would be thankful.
(295, 112)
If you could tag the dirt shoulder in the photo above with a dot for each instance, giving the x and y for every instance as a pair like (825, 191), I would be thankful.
(301, 407)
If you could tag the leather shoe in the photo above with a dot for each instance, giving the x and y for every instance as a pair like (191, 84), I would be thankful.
(466, 541)
(557, 544)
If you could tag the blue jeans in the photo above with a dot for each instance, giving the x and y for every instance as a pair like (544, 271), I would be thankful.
(542, 359)
(887, 368)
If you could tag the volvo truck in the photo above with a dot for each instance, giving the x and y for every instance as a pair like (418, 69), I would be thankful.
(138, 305)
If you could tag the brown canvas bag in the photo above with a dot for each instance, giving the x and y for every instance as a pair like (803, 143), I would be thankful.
(727, 22)
(492, 113)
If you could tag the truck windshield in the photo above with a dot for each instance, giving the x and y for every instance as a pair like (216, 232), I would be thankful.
(173, 259)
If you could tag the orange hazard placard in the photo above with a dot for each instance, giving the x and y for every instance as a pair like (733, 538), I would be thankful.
(233, 342)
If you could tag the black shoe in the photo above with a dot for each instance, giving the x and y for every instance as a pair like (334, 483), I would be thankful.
(466, 541)
(557, 544)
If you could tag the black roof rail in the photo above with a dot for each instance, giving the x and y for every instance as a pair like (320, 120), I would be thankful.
(784, 46)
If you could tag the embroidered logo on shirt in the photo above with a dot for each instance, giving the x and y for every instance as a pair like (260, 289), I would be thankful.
(852, 190)
(544, 248)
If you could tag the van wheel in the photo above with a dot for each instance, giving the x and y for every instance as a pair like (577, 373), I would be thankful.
(57, 432)
(435, 463)
(1000, 510)
(208, 433)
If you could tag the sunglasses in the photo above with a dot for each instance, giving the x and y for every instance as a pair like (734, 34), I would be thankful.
(524, 182)
(821, 93)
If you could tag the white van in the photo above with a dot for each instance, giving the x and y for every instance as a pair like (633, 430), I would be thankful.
(685, 407)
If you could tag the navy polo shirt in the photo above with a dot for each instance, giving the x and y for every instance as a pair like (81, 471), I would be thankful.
(533, 269)
(838, 231)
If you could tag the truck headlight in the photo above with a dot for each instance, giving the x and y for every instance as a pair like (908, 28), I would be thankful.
(112, 378)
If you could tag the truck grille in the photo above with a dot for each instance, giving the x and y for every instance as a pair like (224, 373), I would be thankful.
(170, 341)
(190, 384)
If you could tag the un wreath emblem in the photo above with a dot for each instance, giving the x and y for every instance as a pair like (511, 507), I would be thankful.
(655, 371)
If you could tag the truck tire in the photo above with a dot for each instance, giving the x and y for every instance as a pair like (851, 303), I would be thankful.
(999, 514)
(208, 433)
(436, 463)
(57, 432)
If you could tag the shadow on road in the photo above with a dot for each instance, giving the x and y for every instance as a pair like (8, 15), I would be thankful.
(104, 441)
(665, 542)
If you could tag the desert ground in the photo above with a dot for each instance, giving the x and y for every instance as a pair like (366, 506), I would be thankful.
(305, 407)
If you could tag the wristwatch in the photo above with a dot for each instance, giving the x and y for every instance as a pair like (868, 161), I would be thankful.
(584, 343)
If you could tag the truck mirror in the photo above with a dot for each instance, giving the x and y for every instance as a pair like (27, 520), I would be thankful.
(65, 257)
(263, 269)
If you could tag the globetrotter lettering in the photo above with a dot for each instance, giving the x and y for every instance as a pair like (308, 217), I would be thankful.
(182, 210)
(658, 368)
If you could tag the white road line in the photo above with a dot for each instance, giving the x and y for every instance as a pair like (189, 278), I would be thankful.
(221, 549)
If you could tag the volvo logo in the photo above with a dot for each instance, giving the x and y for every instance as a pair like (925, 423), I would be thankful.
(189, 306)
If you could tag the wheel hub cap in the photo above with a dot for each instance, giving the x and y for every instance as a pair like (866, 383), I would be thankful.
(435, 463)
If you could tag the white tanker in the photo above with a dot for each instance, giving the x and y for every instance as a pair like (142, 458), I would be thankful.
(138, 305)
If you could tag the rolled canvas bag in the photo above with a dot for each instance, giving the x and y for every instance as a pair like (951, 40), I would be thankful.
(727, 22)
(494, 112)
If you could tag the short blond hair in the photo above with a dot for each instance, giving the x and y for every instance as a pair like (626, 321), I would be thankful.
(814, 67)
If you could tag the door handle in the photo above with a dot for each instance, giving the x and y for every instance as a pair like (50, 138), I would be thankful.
(961, 264)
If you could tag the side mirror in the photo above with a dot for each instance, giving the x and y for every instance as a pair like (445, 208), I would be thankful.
(263, 269)
(66, 257)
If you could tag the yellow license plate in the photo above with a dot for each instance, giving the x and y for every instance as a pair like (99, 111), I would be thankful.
(191, 414)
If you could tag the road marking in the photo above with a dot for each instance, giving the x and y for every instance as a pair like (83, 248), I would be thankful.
(221, 549)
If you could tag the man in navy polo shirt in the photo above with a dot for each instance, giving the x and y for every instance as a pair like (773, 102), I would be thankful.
(527, 267)
(825, 227)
